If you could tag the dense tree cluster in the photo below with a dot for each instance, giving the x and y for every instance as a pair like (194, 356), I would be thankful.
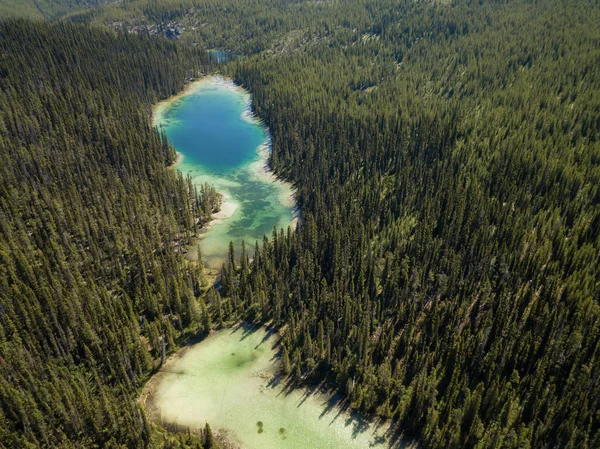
(91, 284)
(43, 9)
(446, 269)
(248, 27)
(445, 272)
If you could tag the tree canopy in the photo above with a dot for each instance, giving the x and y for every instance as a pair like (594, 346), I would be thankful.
(90, 217)
(445, 271)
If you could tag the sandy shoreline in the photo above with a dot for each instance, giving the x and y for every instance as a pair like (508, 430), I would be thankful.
(189, 88)
(178, 160)
(228, 208)
(148, 394)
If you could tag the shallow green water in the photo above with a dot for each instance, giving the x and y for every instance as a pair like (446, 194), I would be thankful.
(219, 141)
(228, 381)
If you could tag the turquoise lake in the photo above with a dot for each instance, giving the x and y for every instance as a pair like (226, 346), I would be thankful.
(220, 142)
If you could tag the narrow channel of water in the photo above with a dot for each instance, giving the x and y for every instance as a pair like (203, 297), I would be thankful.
(220, 142)
(230, 381)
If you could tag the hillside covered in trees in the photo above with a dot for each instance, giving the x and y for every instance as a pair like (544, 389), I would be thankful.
(445, 273)
(89, 217)
(43, 9)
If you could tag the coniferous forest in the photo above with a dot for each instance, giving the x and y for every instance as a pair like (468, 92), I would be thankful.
(445, 272)
(90, 217)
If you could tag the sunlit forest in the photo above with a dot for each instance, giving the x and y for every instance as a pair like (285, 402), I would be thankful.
(445, 273)
(90, 218)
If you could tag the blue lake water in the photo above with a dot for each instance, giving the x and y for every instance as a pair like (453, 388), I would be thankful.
(223, 56)
(220, 142)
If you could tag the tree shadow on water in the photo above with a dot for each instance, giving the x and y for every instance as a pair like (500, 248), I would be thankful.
(289, 386)
(358, 423)
(269, 332)
(277, 355)
(275, 381)
(391, 438)
(334, 403)
(191, 338)
(309, 390)
(246, 328)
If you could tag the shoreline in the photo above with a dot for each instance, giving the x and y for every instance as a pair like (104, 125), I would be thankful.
(324, 391)
(260, 166)
(150, 388)
(264, 170)
(189, 88)
(285, 192)
(178, 160)
(227, 210)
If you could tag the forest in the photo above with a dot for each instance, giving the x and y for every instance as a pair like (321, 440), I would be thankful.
(445, 273)
(89, 221)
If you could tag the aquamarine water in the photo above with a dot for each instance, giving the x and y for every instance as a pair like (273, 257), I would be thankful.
(220, 142)
(230, 381)
(223, 56)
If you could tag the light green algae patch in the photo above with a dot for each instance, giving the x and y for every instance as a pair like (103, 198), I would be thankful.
(220, 142)
(230, 381)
